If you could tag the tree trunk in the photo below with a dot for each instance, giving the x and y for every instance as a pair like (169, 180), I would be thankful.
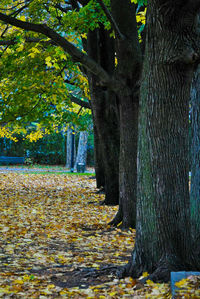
(129, 69)
(81, 156)
(69, 149)
(195, 159)
(99, 164)
(105, 115)
(163, 240)
(108, 136)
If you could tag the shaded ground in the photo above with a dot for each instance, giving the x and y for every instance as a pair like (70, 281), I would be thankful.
(55, 241)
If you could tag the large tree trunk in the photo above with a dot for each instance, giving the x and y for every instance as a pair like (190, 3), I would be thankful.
(195, 159)
(163, 240)
(128, 70)
(103, 102)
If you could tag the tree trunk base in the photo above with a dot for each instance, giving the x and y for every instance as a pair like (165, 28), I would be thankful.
(160, 274)
(101, 191)
(117, 220)
(108, 203)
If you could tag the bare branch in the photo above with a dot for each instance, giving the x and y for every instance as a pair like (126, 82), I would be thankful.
(76, 54)
(111, 19)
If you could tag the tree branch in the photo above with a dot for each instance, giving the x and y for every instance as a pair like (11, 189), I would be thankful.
(79, 102)
(76, 54)
(27, 40)
(111, 19)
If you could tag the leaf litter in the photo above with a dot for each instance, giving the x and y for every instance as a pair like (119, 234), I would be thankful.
(55, 241)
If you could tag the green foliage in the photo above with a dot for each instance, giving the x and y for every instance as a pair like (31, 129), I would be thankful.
(38, 78)
(140, 2)
(50, 149)
(32, 86)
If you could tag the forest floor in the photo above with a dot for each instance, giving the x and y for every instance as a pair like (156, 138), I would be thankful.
(55, 242)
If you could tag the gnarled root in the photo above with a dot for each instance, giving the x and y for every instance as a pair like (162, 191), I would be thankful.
(161, 273)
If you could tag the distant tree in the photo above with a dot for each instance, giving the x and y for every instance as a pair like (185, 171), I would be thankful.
(82, 149)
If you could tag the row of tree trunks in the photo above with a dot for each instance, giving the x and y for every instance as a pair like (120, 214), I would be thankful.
(163, 232)
(164, 208)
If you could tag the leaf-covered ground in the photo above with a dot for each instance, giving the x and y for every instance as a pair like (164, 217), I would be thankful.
(55, 241)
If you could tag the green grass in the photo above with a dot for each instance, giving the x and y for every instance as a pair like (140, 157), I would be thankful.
(58, 172)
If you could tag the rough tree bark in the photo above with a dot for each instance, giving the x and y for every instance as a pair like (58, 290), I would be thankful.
(99, 168)
(100, 46)
(128, 70)
(195, 159)
(163, 233)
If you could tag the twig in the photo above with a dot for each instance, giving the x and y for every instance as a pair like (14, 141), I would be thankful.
(111, 19)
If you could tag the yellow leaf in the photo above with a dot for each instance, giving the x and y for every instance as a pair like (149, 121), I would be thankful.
(47, 60)
(35, 50)
(145, 274)
(19, 281)
(112, 293)
(63, 56)
(32, 55)
(51, 286)
(181, 283)
(149, 282)
(22, 18)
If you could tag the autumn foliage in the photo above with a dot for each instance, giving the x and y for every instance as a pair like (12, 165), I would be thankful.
(55, 241)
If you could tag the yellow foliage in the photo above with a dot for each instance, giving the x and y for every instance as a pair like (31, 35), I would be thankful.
(6, 132)
(141, 17)
(53, 227)
(34, 136)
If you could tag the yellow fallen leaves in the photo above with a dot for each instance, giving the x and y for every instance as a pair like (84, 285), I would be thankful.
(188, 287)
(52, 228)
